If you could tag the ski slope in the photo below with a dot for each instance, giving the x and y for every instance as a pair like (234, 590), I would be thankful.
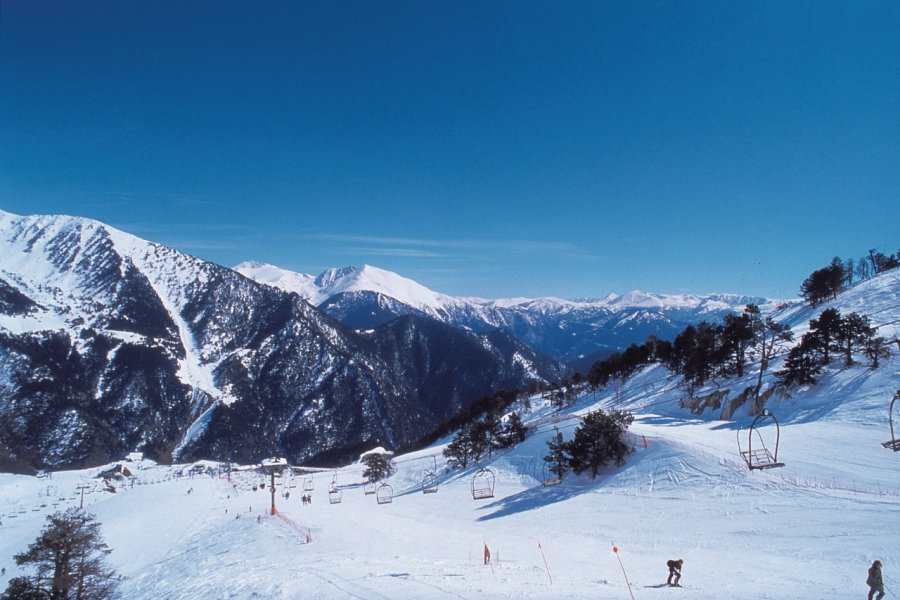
(808, 530)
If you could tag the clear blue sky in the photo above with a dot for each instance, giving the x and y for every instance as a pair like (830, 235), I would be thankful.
(482, 148)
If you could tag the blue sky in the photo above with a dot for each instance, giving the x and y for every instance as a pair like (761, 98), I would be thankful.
(482, 148)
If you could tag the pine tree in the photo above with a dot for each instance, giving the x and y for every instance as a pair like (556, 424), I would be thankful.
(557, 460)
(378, 467)
(824, 332)
(513, 432)
(598, 440)
(69, 561)
(853, 331)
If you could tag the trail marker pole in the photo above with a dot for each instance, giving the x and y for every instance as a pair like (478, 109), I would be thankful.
(545, 562)
(628, 583)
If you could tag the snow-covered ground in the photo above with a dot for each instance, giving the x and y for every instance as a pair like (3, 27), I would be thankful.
(807, 530)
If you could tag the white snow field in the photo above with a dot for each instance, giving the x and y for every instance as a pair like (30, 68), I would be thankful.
(808, 530)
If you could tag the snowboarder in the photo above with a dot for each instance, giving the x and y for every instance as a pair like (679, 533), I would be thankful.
(875, 582)
(674, 571)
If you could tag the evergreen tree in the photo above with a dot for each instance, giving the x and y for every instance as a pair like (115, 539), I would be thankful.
(737, 336)
(378, 466)
(557, 459)
(598, 440)
(824, 331)
(69, 562)
(875, 348)
(513, 432)
(803, 364)
(853, 331)
(458, 451)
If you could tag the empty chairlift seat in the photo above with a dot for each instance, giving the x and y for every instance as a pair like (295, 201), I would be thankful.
(483, 484)
(384, 494)
(755, 451)
(334, 493)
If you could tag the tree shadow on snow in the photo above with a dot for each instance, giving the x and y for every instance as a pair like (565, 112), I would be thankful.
(538, 497)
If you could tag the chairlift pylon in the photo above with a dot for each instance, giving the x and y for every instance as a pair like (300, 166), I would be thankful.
(755, 453)
(894, 442)
(483, 484)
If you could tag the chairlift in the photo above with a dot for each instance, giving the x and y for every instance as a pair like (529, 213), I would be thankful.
(369, 488)
(755, 453)
(894, 442)
(430, 481)
(334, 492)
(384, 494)
(292, 483)
(550, 478)
(483, 484)
(308, 484)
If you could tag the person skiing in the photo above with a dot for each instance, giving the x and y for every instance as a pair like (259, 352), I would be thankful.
(674, 571)
(875, 582)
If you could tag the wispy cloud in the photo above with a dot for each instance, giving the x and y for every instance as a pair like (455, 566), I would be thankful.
(423, 247)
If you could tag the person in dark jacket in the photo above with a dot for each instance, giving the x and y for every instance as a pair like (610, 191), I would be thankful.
(674, 571)
(875, 582)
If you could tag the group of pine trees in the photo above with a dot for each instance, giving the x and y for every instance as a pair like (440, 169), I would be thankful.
(826, 283)
(706, 350)
(599, 439)
(482, 436)
(701, 351)
(831, 334)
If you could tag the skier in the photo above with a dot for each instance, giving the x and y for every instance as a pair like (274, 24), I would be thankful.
(874, 581)
(674, 570)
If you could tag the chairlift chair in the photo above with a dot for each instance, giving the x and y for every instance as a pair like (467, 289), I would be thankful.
(308, 484)
(384, 494)
(483, 484)
(894, 442)
(369, 488)
(755, 453)
(430, 481)
(550, 478)
(334, 492)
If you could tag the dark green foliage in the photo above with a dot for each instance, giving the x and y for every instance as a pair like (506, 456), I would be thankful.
(69, 562)
(598, 440)
(557, 459)
(824, 283)
(622, 365)
(883, 262)
(481, 436)
(853, 331)
(803, 364)
(875, 348)
(824, 332)
(378, 467)
(830, 332)
(512, 432)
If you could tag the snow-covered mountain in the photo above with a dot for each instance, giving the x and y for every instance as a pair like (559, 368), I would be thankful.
(110, 343)
(809, 529)
(571, 331)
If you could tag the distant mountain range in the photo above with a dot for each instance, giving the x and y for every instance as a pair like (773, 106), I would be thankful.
(575, 332)
(110, 343)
